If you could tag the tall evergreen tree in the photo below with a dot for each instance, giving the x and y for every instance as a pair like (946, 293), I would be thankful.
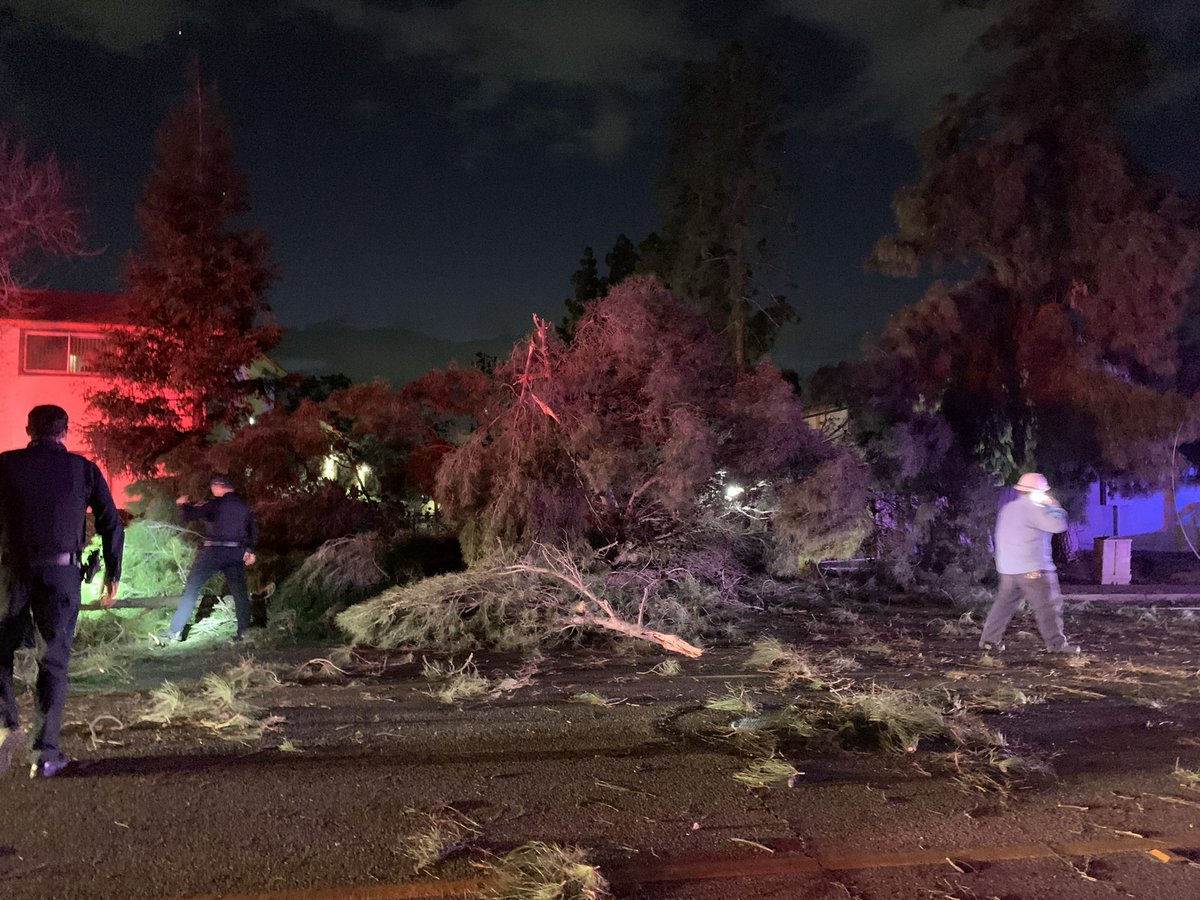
(622, 261)
(587, 286)
(196, 291)
(719, 191)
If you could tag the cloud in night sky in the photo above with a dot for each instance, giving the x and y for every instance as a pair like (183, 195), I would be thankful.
(911, 53)
(572, 75)
(578, 77)
(914, 52)
(569, 73)
(122, 26)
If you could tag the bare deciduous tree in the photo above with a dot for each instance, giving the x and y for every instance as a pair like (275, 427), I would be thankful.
(36, 214)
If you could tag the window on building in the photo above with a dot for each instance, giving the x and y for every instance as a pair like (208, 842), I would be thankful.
(73, 354)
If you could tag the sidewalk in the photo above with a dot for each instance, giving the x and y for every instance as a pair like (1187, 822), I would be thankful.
(1132, 593)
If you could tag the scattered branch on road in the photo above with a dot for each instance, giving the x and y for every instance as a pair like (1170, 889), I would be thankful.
(454, 683)
(541, 871)
(767, 772)
(557, 565)
(219, 703)
(438, 833)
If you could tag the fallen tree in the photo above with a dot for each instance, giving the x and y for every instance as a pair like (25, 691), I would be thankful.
(506, 603)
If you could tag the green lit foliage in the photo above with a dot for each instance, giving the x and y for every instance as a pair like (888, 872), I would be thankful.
(341, 572)
(156, 560)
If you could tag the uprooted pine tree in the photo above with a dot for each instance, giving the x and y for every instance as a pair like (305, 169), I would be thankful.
(596, 493)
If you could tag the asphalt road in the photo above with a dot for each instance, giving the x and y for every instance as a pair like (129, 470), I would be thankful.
(323, 800)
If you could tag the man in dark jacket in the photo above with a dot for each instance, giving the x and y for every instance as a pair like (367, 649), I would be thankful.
(230, 536)
(45, 493)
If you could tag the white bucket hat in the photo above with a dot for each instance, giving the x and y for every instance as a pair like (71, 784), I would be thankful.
(1032, 481)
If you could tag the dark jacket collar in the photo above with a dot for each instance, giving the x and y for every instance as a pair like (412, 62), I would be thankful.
(47, 444)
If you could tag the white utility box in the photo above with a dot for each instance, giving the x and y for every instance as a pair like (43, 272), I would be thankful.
(1112, 560)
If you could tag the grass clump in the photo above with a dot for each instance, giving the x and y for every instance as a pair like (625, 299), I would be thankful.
(107, 642)
(453, 683)
(590, 698)
(668, 668)
(219, 703)
(784, 662)
(885, 718)
(439, 833)
(767, 772)
(1188, 778)
(1007, 697)
(735, 700)
(541, 871)
(961, 627)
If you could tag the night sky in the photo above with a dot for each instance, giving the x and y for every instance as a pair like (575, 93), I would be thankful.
(429, 172)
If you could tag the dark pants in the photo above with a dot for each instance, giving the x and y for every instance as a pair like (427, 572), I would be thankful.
(1043, 597)
(209, 561)
(51, 594)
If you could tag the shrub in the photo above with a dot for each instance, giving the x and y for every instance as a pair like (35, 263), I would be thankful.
(822, 516)
(340, 573)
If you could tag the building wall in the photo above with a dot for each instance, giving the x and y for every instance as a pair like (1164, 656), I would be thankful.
(1146, 519)
(20, 392)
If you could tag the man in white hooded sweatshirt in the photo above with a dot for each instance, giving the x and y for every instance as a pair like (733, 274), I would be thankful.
(1023, 559)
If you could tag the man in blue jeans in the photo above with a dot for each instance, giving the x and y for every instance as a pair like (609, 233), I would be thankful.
(1026, 567)
(230, 536)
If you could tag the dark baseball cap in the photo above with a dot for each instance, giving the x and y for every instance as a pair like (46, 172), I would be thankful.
(222, 479)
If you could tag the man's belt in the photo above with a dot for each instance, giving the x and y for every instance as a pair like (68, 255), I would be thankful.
(222, 543)
(55, 559)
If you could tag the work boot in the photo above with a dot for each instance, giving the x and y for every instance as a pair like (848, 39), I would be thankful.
(49, 766)
(989, 647)
(10, 742)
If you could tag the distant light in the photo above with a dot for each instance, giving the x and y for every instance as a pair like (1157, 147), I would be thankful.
(364, 472)
(329, 468)
(733, 491)
(252, 420)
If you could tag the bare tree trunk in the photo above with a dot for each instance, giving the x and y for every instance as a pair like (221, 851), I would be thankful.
(1172, 524)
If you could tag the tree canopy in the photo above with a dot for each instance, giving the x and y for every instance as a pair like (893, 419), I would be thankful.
(1058, 346)
(360, 458)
